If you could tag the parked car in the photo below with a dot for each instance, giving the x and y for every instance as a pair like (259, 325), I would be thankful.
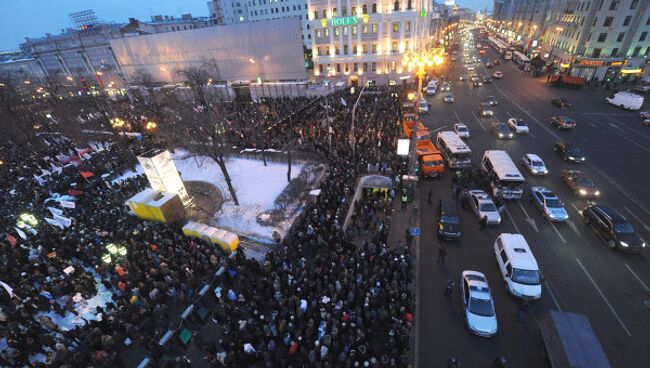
(613, 227)
(534, 164)
(518, 125)
(569, 152)
(483, 206)
(561, 102)
(480, 315)
(502, 131)
(580, 183)
(548, 203)
(461, 130)
(645, 88)
(497, 75)
(563, 122)
(448, 220)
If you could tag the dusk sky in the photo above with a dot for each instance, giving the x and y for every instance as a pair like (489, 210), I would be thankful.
(34, 18)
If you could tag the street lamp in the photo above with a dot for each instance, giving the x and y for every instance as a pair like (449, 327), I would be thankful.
(558, 30)
(417, 60)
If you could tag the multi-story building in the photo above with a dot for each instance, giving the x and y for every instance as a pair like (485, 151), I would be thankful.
(361, 41)
(17, 65)
(242, 11)
(593, 38)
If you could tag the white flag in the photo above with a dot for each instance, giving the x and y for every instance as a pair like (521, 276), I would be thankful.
(343, 102)
(8, 288)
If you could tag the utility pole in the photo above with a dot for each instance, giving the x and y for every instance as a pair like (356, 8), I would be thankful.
(353, 138)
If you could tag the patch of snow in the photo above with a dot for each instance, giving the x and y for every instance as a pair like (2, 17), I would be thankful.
(129, 174)
(37, 358)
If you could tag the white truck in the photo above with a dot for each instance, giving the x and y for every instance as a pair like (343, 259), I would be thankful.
(626, 100)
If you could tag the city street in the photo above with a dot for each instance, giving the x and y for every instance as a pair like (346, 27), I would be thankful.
(582, 274)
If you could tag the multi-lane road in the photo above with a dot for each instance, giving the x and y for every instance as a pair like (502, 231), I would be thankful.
(581, 273)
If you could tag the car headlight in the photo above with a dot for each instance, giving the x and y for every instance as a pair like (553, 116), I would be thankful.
(583, 192)
(500, 135)
(571, 158)
(623, 244)
(597, 193)
(545, 171)
(510, 135)
(643, 245)
(582, 159)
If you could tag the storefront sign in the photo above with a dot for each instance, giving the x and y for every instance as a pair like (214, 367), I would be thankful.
(565, 65)
(591, 62)
(617, 63)
(345, 21)
(632, 71)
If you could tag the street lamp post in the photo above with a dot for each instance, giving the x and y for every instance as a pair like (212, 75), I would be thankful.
(556, 34)
(353, 138)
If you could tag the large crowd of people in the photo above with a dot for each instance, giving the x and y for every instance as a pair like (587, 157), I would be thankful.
(319, 299)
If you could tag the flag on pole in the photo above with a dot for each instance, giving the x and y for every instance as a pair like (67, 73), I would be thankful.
(343, 102)
(12, 240)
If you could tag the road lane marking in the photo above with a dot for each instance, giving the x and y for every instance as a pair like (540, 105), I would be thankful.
(576, 208)
(619, 187)
(513, 221)
(592, 124)
(606, 114)
(629, 334)
(573, 227)
(457, 117)
(550, 291)
(479, 121)
(529, 220)
(637, 218)
(557, 232)
(637, 278)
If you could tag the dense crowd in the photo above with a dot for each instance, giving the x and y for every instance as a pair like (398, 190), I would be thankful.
(319, 299)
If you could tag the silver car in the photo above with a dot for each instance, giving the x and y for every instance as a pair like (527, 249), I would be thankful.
(483, 206)
(548, 203)
(480, 315)
(534, 164)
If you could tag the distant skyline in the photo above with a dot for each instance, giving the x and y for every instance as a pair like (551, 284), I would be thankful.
(35, 18)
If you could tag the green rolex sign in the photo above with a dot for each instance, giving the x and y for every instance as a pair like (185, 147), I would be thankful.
(345, 21)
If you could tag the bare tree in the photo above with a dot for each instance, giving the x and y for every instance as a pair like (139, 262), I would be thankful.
(197, 79)
(53, 85)
(15, 115)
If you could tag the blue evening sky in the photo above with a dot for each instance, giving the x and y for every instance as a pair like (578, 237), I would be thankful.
(34, 18)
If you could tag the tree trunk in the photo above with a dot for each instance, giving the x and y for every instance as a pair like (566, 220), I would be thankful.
(289, 163)
(224, 170)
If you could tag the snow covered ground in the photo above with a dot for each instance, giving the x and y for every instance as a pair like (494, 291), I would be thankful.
(257, 186)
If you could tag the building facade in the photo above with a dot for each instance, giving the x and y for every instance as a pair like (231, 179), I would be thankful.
(594, 37)
(16, 65)
(268, 51)
(361, 41)
(242, 11)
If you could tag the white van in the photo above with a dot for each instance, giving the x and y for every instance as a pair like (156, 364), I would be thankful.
(518, 266)
(424, 106)
(626, 100)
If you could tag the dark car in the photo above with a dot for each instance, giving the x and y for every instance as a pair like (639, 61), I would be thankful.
(487, 79)
(502, 131)
(580, 183)
(613, 227)
(486, 110)
(561, 103)
(491, 100)
(569, 152)
(448, 220)
(563, 122)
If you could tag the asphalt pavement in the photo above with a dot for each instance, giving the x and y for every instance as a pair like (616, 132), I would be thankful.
(582, 274)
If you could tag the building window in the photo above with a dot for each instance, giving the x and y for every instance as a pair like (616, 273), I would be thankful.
(354, 30)
(374, 28)
(647, 22)
(614, 52)
(365, 66)
(320, 68)
(602, 37)
(589, 37)
(374, 66)
(647, 51)
(393, 66)
(318, 51)
(354, 49)
(595, 53)
(595, 20)
(406, 45)
(334, 12)
(373, 48)
(355, 67)
(394, 47)
(588, 4)
(354, 10)
(364, 9)
(643, 36)
(317, 33)
(345, 31)
(365, 29)
(327, 48)
(327, 32)
(608, 21)
(395, 27)
(396, 5)
(344, 11)
(324, 13)
(364, 48)
(409, 5)
(614, 5)
(636, 52)
(347, 69)
(620, 37)
(345, 49)
(337, 50)
(634, 4)
(374, 8)
(627, 20)
(338, 67)
(337, 31)
(408, 26)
